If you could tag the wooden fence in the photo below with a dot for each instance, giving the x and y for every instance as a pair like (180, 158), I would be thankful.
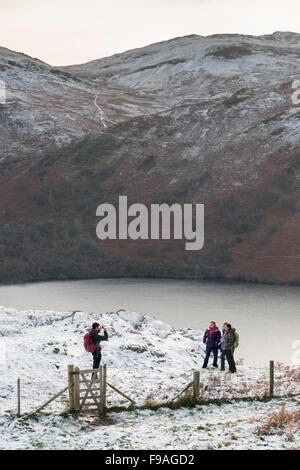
(88, 390)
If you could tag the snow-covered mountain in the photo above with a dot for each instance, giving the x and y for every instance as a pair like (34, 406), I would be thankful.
(193, 66)
(47, 107)
(51, 106)
(191, 120)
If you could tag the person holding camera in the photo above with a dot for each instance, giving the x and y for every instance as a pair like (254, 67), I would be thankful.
(96, 339)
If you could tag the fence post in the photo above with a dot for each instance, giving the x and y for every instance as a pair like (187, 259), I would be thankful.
(104, 384)
(19, 396)
(76, 389)
(271, 378)
(71, 387)
(196, 385)
(102, 389)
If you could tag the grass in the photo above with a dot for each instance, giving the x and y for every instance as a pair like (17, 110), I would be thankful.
(187, 402)
(281, 422)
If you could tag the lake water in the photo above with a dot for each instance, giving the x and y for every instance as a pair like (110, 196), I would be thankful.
(266, 317)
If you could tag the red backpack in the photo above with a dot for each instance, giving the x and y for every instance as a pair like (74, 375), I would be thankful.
(88, 343)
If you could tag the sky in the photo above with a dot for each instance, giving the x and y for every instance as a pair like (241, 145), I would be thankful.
(64, 32)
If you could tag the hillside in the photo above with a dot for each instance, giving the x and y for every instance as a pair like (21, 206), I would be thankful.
(151, 362)
(194, 119)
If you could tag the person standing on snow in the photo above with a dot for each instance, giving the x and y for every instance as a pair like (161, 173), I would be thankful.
(211, 339)
(228, 341)
(97, 338)
(222, 347)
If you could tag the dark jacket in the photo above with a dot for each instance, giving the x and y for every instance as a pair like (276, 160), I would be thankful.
(229, 338)
(212, 341)
(97, 338)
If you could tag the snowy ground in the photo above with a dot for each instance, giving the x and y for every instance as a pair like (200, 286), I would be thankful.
(208, 427)
(149, 361)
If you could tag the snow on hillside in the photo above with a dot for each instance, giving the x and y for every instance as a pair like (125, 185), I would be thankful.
(231, 427)
(148, 360)
(39, 346)
(191, 63)
(49, 106)
(45, 106)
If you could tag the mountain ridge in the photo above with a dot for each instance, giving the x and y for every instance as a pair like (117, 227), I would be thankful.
(213, 124)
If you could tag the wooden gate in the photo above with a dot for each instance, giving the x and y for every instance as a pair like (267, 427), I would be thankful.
(87, 390)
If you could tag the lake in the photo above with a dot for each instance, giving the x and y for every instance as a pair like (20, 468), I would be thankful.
(266, 317)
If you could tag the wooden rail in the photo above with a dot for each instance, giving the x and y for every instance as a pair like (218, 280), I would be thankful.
(195, 383)
(92, 397)
(121, 393)
(51, 399)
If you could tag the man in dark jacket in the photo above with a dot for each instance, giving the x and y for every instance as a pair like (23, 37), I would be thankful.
(222, 348)
(96, 340)
(228, 340)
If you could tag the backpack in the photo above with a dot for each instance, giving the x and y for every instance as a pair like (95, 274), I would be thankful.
(236, 339)
(89, 346)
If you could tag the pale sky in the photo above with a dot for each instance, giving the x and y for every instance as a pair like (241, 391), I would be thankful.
(63, 32)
